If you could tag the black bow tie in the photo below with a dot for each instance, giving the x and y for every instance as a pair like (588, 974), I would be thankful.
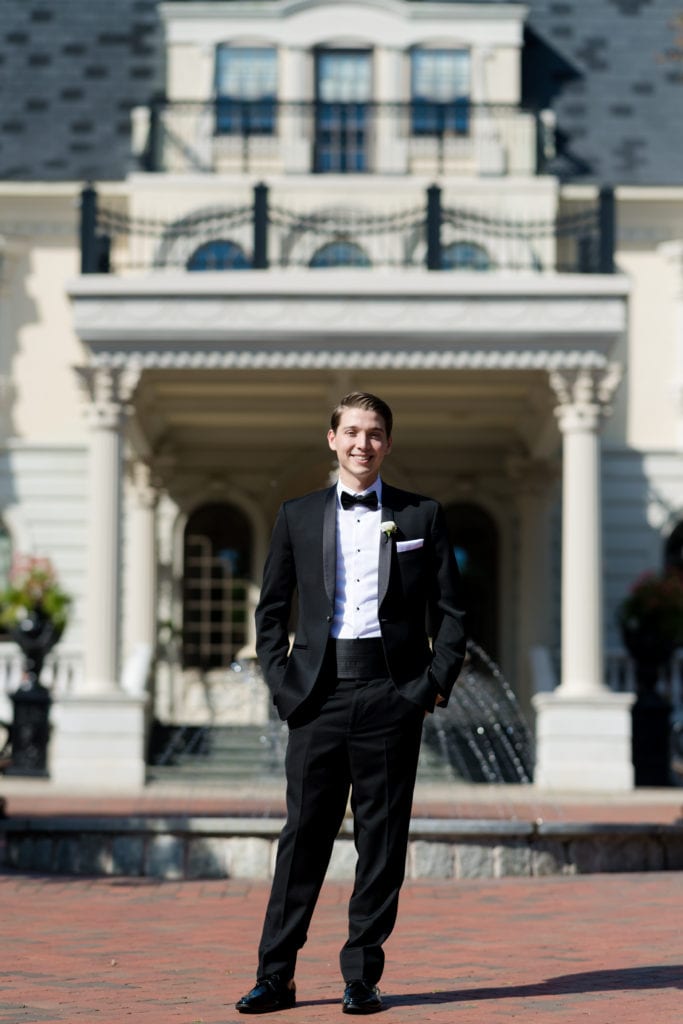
(349, 500)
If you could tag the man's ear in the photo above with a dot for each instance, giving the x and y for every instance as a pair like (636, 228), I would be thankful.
(331, 438)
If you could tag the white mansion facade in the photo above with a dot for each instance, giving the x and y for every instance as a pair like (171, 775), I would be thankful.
(338, 196)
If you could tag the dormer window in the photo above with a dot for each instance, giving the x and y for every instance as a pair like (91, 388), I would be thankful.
(440, 91)
(246, 90)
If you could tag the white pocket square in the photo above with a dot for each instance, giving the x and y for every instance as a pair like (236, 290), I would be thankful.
(409, 545)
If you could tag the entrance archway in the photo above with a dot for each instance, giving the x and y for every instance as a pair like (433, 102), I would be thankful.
(216, 573)
(474, 536)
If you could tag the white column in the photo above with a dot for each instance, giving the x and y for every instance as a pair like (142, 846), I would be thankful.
(582, 626)
(583, 729)
(141, 560)
(102, 612)
(98, 737)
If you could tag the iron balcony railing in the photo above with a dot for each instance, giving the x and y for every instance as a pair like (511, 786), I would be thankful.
(266, 233)
(273, 136)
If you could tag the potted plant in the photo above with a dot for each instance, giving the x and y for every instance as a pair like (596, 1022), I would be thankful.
(651, 618)
(34, 609)
(651, 622)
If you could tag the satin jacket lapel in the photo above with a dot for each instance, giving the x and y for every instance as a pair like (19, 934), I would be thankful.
(386, 546)
(330, 544)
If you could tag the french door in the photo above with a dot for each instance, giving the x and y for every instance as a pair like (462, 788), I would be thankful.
(342, 111)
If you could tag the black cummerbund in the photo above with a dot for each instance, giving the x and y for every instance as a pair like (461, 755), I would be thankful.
(359, 659)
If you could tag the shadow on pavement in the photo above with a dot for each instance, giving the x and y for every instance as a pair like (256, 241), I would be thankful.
(622, 979)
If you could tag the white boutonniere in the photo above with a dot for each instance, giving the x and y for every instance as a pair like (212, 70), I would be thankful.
(388, 528)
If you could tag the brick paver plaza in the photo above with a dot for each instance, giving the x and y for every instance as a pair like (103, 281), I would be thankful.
(605, 949)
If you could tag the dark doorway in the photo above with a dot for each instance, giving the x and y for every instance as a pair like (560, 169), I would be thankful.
(217, 567)
(474, 536)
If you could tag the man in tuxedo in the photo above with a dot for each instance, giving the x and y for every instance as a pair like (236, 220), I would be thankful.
(378, 642)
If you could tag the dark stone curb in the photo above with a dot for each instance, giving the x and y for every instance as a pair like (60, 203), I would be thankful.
(202, 847)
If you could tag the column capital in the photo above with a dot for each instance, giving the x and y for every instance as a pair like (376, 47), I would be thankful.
(144, 483)
(109, 391)
(584, 395)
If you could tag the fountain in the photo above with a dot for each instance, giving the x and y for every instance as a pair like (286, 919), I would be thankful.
(481, 737)
(481, 734)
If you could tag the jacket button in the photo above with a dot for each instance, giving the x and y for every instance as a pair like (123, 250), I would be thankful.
(328, 618)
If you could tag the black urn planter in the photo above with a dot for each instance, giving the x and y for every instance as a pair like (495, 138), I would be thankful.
(36, 635)
(651, 713)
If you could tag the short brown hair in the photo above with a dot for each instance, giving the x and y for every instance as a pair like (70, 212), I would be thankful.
(363, 400)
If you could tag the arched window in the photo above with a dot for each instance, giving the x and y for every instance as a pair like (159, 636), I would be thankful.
(673, 549)
(217, 566)
(340, 254)
(218, 254)
(465, 256)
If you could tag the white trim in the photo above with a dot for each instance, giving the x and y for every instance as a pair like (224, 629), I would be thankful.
(350, 319)
(417, 284)
(282, 359)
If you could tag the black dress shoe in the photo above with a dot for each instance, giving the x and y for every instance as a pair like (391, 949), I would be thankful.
(267, 995)
(359, 997)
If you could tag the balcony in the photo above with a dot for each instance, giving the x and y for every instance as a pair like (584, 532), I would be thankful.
(269, 137)
(268, 228)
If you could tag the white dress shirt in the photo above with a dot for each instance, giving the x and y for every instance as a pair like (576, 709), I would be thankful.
(358, 538)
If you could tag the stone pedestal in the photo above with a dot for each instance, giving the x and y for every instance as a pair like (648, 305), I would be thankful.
(584, 743)
(99, 742)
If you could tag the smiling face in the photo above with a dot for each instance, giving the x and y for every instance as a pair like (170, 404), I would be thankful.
(360, 443)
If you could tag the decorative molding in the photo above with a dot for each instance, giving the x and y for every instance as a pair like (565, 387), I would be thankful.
(109, 391)
(149, 319)
(355, 359)
(584, 395)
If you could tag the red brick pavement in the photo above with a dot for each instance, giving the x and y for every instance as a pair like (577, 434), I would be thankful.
(605, 949)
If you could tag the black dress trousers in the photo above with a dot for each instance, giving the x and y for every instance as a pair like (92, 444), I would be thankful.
(362, 736)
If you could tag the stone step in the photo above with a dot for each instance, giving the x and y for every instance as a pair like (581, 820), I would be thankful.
(242, 752)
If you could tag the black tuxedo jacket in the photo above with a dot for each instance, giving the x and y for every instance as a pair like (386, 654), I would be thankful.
(418, 598)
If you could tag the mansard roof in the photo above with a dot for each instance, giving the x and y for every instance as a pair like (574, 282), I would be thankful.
(70, 73)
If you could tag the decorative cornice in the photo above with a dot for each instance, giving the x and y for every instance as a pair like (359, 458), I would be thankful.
(105, 320)
(316, 317)
(354, 359)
